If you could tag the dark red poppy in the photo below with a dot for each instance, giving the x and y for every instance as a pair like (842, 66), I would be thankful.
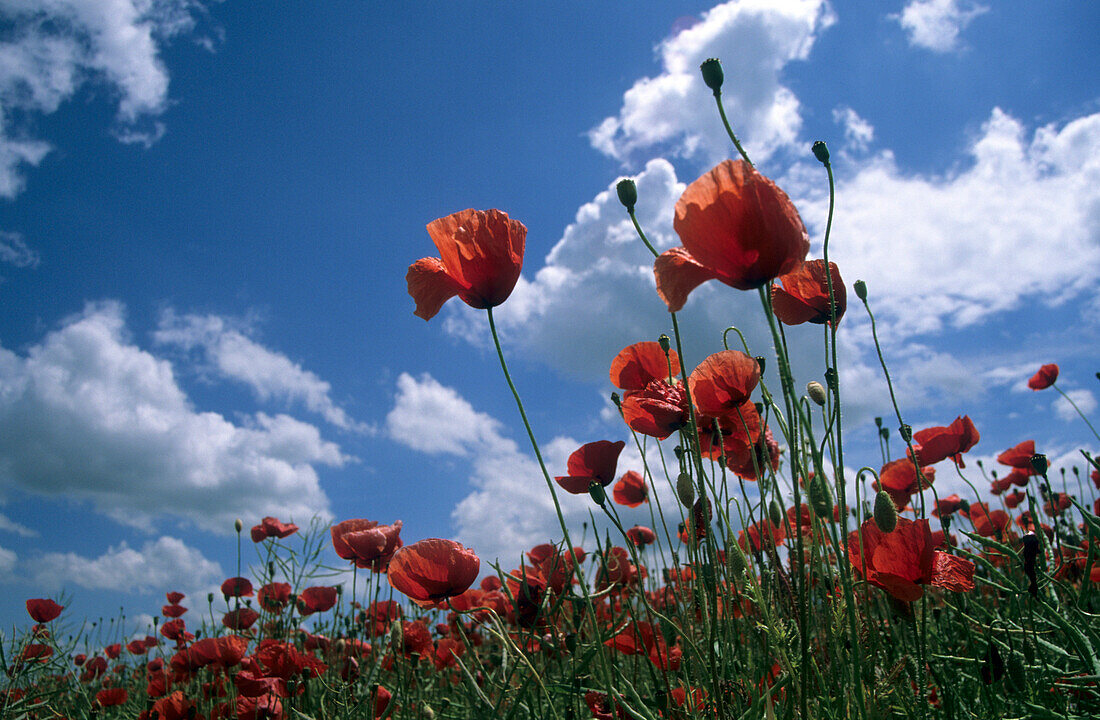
(641, 535)
(1013, 500)
(174, 707)
(283, 660)
(43, 610)
(988, 522)
(172, 611)
(751, 461)
(113, 650)
(316, 599)
(1057, 504)
(948, 505)
(1019, 456)
(382, 698)
(273, 597)
(939, 443)
(631, 490)
(615, 568)
(593, 462)
(137, 647)
(240, 618)
(804, 296)
(226, 651)
(263, 707)
(760, 535)
(482, 255)
(432, 570)
(1018, 477)
(175, 597)
(901, 561)
(237, 587)
(366, 543)
(112, 696)
(642, 638)
(736, 226)
(1043, 379)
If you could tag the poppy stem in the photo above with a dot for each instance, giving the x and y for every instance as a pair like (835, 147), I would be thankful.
(1070, 401)
(638, 228)
(729, 130)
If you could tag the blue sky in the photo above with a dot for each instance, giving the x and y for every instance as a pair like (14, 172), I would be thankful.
(207, 211)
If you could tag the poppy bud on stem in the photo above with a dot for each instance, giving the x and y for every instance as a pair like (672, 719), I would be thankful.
(713, 75)
(886, 513)
(816, 391)
(628, 193)
(821, 152)
(685, 490)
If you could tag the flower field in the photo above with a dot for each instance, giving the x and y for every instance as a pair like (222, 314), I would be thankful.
(779, 578)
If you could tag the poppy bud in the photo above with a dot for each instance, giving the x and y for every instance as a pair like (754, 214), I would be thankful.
(685, 490)
(886, 513)
(831, 378)
(735, 558)
(209, 598)
(884, 433)
(821, 152)
(664, 342)
(964, 506)
(878, 422)
(615, 398)
(820, 499)
(775, 513)
(713, 75)
(760, 360)
(597, 492)
(1039, 463)
(816, 391)
(238, 525)
(861, 290)
(628, 193)
(906, 432)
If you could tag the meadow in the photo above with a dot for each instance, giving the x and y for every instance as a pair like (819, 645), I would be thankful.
(784, 580)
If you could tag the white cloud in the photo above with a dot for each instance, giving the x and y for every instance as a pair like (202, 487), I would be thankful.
(936, 24)
(87, 415)
(755, 40)
(14, 251)
(8, 560)
(271, 375)
(858, 133)
(9, 525)
(1084, 399)
(164, 564)
(53, 47)
(1021, 222)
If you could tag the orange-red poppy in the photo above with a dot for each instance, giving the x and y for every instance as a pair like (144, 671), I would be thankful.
(237, 587)
(723, 382)
(736, 226)
(652, 405)
(900, 562)
(1047, 376)
(270, 527)
(482, 255)
(273, 597)
(804, 294)
(631, 489)
(316, 599)
(433, 570)
(939, 443)
(593, 462)
(641, 535)
(1018, 456)
(899, 479)
(366, 543)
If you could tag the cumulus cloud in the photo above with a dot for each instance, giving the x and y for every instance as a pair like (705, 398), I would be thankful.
(86, 414)
(1020, 222)
(936, 24)
(271, 375)
(674, 111)
(858, 133)
(50, 48)
(1083, 399)
(164, 563)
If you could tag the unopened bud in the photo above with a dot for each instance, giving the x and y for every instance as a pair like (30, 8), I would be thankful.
(685, 490)
(775, 513)
(209, 598)
(821, 152)
(817, 393)
(861, 289)
(628, 193)
(238, 525)
(615, 398)
(831, 378)
(712, 74)
(906, 432)
(735, 558)
(886, 513)
(878, 422)
(820, 500)
(665, 342)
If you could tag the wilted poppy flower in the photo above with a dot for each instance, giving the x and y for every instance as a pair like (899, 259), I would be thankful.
(1043, 379)
(43, 610)
(366, 543)
(631, 490)
(939, 443)
(593, 462)
(1019, 456)
(901, 561)
(433, 570)
(641, 535)
(237, 587)
(738, 227)
(316, 599)
(482, 255)
(111, 696)
(804, 295)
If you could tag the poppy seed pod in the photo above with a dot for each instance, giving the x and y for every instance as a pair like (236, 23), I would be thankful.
(1039, 463)
(886, 513)
(906, 432)
(775, 513)
(596, 491)
(685, 490)
(712, 74)
(861, 290)
(820, 499)
(665, 342)
(821, 152)
(816, 391)
(628, 193)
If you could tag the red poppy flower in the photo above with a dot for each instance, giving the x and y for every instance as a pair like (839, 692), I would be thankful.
(1013, 500)
(988, 522)
(273, 597)
(366, 543)
(111, 696)
(172, 611)
(899, 479)
(1043, 379)
(651, 404)
(433, 570)
(113, 651)
(631, 490)
(593, 462)
(237, 587)
(174, 707)
(804, 296)
(738, 227)
(1017, 477)
(379, 615)
(226, 651)
(749, 461)
(137, 647)
(270, 527)
(642, 638)
(240, 618)
(482, 255)
(1019, 456)
(615, 568)
(641, 535)
(316, 599)
(760, 535)
(43, 610)
(901, 561)
(640, 364)
(382, 698)
(939, 443)
(723, 382)
(175, 597)
(263, 707)
(948, 505)
(1056, 504)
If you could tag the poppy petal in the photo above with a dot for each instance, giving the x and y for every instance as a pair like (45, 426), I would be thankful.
(430, 286)
(677, 274)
